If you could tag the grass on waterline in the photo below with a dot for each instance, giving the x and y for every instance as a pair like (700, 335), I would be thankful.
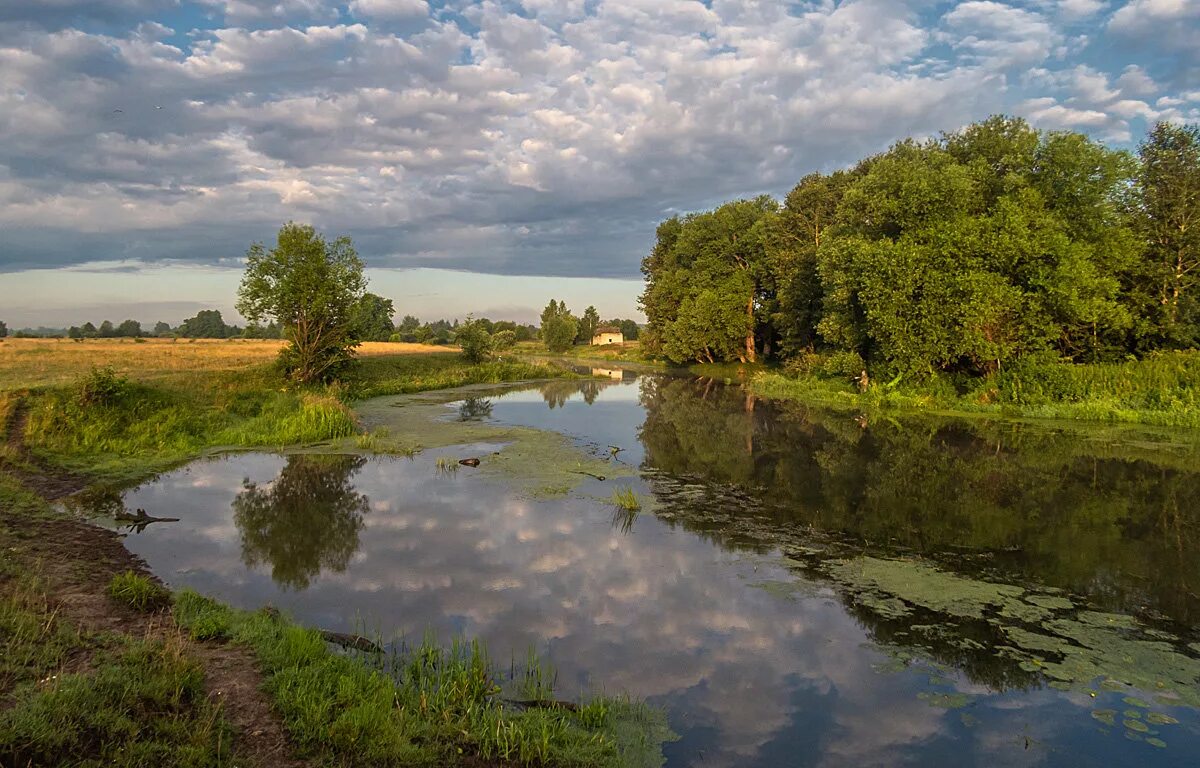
(428, 705)
(138, 592)
(625, 499)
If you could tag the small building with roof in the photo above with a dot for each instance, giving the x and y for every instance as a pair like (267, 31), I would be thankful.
(607, 334)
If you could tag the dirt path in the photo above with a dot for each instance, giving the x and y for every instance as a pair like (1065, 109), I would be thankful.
(77, 560)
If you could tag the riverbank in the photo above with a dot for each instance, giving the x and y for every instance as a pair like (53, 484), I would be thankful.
(1162, 391)
(208, 685)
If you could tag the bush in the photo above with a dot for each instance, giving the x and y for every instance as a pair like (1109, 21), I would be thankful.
(843, 365)
(102, 387)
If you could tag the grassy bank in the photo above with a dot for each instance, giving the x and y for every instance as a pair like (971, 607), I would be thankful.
(627, 352)
(1160, 390)
(130, 409)
(71, 697)
(425, 706)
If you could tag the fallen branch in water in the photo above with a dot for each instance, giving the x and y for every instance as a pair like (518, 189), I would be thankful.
(357, 642)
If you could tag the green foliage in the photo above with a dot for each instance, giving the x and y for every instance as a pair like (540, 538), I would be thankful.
(475, 341)
(3, 330)
(137, 703)
(428, 705)
(312, 288)
(373, 318)
(138, 592)
(559, 327)
(956, 256)
(626, 499)
(702, 282)
(587, 326)
(207, 324)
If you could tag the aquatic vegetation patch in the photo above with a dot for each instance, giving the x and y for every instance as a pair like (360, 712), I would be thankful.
(138, 592)
(1048, 636)
(539, 463)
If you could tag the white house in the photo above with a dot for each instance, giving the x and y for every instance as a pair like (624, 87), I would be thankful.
(607, 334)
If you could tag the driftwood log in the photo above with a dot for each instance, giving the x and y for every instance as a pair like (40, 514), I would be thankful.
(357, 642)
(469, 462)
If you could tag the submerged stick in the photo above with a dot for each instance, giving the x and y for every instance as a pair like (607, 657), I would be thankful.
(357, 642)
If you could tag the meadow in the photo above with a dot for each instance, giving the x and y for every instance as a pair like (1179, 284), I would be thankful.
(117, 409)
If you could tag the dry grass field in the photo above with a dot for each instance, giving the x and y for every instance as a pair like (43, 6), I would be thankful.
(29, 363)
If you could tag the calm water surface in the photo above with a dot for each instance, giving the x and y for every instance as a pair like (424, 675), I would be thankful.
(802, 588)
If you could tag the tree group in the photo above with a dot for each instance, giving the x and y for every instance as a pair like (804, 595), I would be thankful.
(957, 254)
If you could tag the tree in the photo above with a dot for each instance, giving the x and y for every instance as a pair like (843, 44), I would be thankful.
(162, 329)
(75, 332)
(718, 255)
(207, 324)
(3, 329)
(474, 341)
(407, 329)
(587, 326)
(130, 328)
(1168, 201)
(107, 331)
(89, 331)
(629, 329)
(311, 288)
(373, 316)
(559, 327)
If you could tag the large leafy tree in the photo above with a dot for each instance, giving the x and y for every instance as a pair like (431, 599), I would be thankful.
(311, 287)
(1168, 200)
(701, 269)
(373, 316)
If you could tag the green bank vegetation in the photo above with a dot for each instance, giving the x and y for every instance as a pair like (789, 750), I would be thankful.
(136, 702)
(113, 426)
(428, 705)
(986, 267)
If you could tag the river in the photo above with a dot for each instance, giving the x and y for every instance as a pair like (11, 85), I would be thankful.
(801, 587)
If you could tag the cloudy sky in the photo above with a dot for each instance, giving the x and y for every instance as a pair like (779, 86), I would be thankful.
(145, 143)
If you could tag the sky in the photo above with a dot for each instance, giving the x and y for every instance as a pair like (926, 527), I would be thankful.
(485, 156)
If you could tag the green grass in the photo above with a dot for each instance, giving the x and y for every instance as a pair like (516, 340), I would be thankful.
(136, 427)
(138, 592)
(405, 374)
(426, 706)
(625, 499)
(69, 699)
(1160, 390)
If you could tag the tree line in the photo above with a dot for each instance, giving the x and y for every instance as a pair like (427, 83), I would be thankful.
(958, 254)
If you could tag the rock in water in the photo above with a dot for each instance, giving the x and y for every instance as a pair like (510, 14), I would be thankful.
(469, 462)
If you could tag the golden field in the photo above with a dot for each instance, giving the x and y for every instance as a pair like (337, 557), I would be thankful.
(26, 363)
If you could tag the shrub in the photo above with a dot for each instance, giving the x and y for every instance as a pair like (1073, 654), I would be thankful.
(843, 365)
(474, 341)
(102, 387)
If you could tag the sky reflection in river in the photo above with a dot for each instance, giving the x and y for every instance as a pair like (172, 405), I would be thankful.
(759, 660)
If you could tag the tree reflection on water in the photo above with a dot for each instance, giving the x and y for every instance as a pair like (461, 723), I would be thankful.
(306, 520)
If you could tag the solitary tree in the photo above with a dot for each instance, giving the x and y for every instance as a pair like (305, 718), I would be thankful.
(311, 288)
(474, 341)
(162, 329)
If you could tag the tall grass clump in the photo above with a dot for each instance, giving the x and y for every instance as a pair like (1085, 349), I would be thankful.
(428, 705)
(138, 592)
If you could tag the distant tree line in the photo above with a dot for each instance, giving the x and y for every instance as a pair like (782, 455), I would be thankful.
(958, 254)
